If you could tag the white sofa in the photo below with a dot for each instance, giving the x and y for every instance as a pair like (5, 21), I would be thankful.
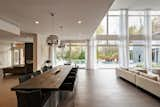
(149, 85)
(141, 81)
(129, 76)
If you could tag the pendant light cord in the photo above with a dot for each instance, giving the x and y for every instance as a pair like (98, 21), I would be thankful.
(52, 22)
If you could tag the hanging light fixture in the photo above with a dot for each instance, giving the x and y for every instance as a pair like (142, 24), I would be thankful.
(52, 39)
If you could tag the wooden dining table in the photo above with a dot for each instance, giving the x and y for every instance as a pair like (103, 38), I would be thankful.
(49, 81)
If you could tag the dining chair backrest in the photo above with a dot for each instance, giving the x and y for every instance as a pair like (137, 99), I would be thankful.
(44, 69)
(29, 98)
(24, 78)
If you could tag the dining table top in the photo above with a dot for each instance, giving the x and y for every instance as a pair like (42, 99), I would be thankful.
(50, 80)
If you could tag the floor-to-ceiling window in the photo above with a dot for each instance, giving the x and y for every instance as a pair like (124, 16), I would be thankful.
(138, 35)
(102, 28)
(136, 39)
(73, 52)
(78, 54)
(107, 34)
(137, 54)
(113, 23)
(155, 18)
(107, 54)
(63, 54)
(155, 22)
(136, 23)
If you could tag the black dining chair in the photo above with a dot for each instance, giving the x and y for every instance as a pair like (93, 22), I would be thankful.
(32, 98)
(36, 73)
(74, 70)
(44, 69)
(68, 83)
(72, 75)
(24, 78)
(67, 89)
(50, 67)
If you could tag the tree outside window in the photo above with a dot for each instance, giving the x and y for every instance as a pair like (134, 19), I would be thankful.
(136, 25)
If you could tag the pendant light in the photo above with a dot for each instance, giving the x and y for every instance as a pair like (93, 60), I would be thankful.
(52, 39)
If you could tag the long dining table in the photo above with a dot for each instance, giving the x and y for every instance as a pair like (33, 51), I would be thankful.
(49, 81)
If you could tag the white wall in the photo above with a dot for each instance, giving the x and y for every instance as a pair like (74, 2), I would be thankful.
(42, 51)
(5, 55)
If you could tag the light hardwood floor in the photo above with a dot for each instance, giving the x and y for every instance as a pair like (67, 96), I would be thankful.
(99, 88)
(8, 97)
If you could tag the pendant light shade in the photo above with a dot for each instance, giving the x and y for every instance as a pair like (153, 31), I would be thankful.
(52, 40)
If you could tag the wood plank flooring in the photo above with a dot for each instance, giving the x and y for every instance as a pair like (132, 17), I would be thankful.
(8, 97)
(98, 88)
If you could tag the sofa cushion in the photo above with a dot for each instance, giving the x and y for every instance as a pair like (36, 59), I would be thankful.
(134, 71)
(124, 68)
(149, 85)
(149, 76)
(142, 70)
(156, 71)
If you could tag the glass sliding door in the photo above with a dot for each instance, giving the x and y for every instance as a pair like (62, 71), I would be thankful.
(107, 54)
(74, 53)
(78, 55)
(63, 55)
(137, 56)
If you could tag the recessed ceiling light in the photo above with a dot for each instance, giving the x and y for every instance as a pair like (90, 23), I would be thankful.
(36, 22)
(79, 21)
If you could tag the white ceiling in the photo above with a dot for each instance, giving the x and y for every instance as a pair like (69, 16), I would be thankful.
(136, 4)
(67, 12)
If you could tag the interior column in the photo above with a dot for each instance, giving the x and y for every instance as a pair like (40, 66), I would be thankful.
(52, 53)
(124, 38)
(148, 39)
(91, 54)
